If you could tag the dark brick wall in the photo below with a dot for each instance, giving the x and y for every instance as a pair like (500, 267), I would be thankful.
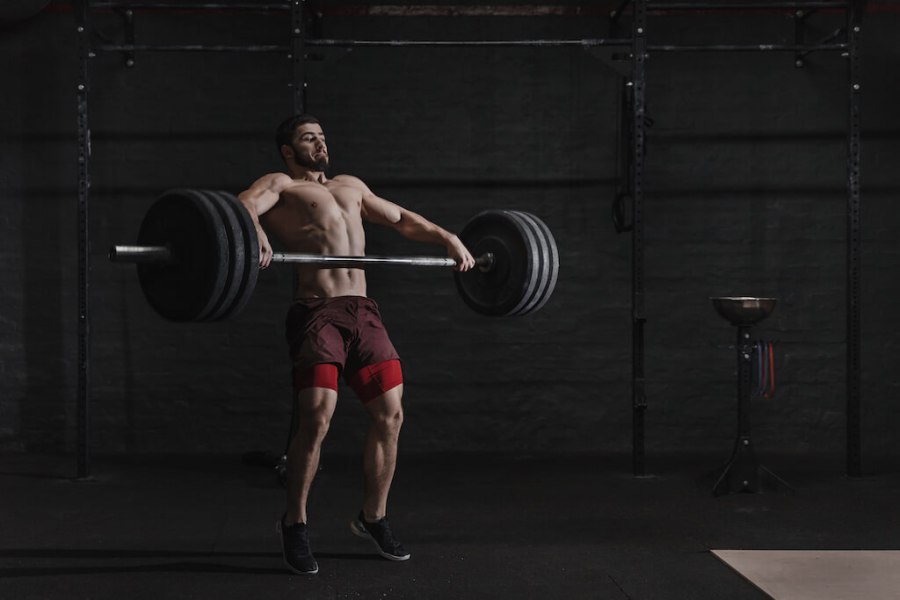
(746, 172)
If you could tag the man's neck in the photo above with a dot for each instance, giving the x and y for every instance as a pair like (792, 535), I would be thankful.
(308, 175)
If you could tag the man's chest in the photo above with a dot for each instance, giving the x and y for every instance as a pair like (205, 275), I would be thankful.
(318, 203)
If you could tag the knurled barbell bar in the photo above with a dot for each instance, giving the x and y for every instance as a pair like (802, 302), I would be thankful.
(197, 257)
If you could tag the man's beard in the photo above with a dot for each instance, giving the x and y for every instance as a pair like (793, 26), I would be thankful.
(309, 163)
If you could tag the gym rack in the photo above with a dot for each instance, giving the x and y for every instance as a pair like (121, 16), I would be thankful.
(846, 41)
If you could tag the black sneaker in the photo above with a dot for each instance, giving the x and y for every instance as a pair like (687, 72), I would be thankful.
(380, 534)
(295, 548)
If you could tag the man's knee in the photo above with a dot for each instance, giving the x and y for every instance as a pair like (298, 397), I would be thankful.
(314, 427)
(392, 420)
(387, 412)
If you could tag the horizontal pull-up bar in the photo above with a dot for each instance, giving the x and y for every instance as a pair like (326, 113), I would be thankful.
(462, 43)
(725, 6)
(467, 10)
(192, 6)
(188, 48)
(357, 43)
(454, 43)
(747, 48)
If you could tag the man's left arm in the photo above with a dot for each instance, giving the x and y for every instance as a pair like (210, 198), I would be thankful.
(411, 225)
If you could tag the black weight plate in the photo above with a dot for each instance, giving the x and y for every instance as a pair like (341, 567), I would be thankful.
(501, 289)
(550, 271)
(235, 274)
(534, 262)
(186, 288)
(222, 240)
(554, 262)
(540, 267)
(250, 264)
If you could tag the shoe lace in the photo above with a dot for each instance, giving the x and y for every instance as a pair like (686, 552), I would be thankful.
(387, 536)
(298, 537)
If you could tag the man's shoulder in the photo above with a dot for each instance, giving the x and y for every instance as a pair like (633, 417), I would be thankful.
(276, 175)
(275, 180)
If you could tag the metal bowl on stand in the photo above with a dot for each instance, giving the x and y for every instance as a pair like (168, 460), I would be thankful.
(743, 310)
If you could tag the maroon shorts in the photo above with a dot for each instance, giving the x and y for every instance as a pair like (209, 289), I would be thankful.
(345, 331)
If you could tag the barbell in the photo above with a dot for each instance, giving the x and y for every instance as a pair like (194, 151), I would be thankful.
(197, 258)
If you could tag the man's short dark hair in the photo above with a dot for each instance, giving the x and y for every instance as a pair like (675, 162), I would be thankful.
(285, 133)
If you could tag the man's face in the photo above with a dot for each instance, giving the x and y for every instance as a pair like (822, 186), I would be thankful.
(309, 147)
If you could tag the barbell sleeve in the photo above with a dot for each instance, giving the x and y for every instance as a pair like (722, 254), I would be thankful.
(140, 254)
(162, 254)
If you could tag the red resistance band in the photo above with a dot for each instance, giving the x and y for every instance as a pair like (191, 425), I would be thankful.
(765, 360)
(323, 375)
(374, 380)
(368, 383)
(770, 389)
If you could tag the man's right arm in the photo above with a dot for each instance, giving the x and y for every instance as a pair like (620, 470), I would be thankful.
(258, 199)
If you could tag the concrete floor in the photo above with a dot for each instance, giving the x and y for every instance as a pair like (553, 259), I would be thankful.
(477, 527)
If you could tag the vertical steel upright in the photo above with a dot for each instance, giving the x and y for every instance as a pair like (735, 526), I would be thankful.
(638, 316)
(854, 243)
(297, 56)
(82, 25)
(741, 474)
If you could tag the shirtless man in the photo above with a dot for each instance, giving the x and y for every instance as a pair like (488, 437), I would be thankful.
(332, 327)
